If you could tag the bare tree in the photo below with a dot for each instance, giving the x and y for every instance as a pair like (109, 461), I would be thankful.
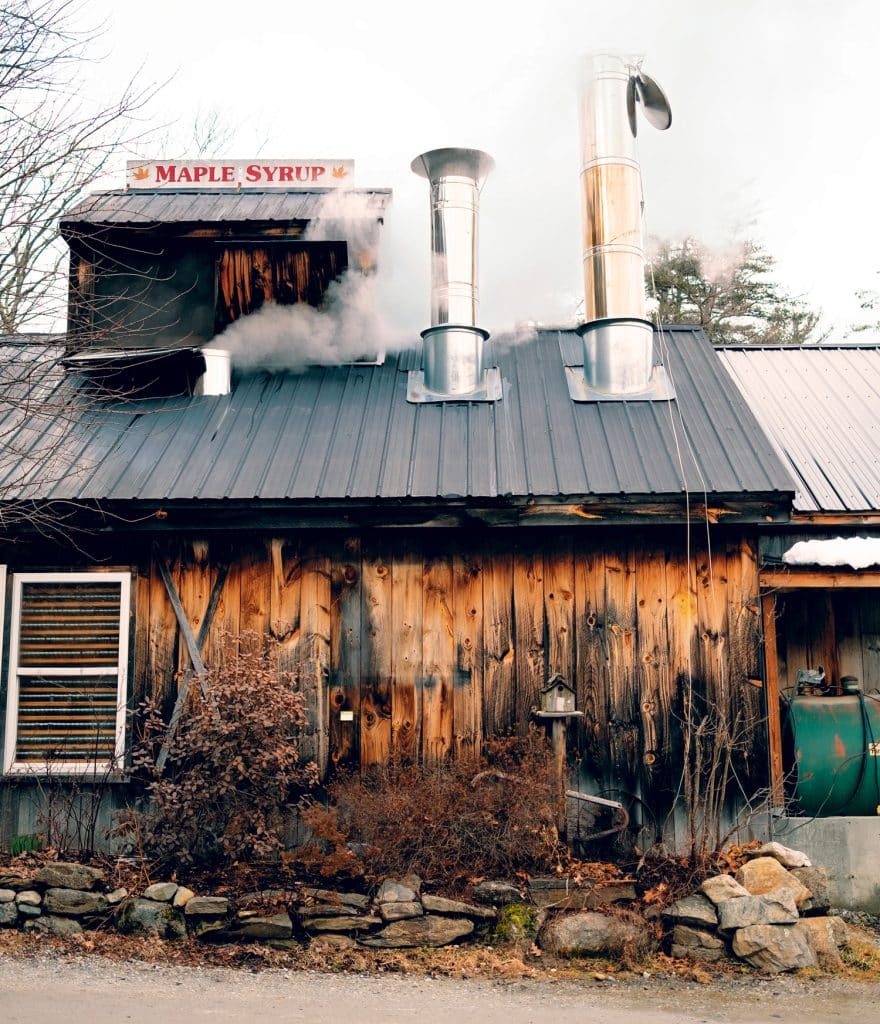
(54, 143)
(735, 299)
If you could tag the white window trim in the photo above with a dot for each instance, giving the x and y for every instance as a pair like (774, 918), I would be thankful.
(10, 765)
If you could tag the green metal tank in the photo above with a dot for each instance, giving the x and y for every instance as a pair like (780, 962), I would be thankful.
(837, 754)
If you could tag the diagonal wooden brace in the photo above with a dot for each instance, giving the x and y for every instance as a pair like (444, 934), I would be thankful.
(194, 646)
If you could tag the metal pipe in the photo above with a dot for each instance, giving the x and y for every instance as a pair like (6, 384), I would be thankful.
(618, 337)
(453, 344)
(217, 378)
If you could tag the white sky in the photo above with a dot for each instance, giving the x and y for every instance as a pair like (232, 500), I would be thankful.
(775, 128)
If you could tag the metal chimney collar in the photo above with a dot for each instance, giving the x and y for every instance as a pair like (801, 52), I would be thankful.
(453, 345)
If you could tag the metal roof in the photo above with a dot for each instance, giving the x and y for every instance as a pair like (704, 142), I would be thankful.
(142, 207)
(820, 405)
(347, 432)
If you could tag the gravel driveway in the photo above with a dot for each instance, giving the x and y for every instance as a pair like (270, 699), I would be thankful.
(87, 990)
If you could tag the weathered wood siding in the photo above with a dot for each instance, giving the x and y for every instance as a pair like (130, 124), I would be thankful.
(435, 641)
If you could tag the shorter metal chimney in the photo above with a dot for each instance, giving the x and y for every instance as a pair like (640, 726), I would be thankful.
(617, 335)
(452, 354)
(217, 378)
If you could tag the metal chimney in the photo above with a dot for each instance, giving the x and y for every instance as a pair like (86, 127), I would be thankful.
(453, 344)
(617, 335)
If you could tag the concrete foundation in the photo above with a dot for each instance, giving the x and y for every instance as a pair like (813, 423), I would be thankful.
(848, 847)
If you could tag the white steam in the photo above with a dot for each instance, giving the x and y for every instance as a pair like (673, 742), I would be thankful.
(347, 327)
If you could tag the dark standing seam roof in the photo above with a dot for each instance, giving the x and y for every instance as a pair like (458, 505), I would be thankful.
(144, 207)
(338, 432)
(820, 406)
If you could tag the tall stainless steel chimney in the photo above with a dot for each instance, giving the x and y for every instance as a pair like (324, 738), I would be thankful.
(617, 335)
(453, 344)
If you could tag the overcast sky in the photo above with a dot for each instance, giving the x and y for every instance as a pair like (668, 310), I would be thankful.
(775, 123)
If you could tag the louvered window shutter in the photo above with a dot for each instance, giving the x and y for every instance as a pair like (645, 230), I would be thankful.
(68, 659)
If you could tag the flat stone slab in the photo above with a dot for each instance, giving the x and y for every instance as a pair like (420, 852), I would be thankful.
(681, 952)
(206, 906)
(786, 856)
(429, 930)
(348, 899)
(344, 923)
(400, 911)
(68, 876)
(695, 909)
(685, 935)
(276, 927)
(73, 902)
(746, 911)
(497, 893)
(551, 892)
(326, 910)
(441, 905)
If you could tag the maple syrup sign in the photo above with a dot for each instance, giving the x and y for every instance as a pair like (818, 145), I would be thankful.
(239, 174)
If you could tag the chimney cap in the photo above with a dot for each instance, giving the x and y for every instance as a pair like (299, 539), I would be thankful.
(469, 163)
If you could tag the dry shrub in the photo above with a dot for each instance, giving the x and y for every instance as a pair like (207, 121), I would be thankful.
(453, 821)
(233, 766)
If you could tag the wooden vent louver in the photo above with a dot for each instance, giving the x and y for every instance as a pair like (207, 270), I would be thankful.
(68, 671)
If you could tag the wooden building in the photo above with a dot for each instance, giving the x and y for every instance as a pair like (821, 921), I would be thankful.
(425, 568)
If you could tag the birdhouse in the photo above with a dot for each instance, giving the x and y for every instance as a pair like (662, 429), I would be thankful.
(557, 698)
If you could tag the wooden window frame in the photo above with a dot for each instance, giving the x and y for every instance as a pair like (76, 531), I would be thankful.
(10, 765)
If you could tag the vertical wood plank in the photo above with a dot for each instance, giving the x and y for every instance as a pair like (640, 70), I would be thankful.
(771, 672)
(285, 591)
(869, 617)
(620, 624)
(345, 650)
(193, 579)
(255, 597)
(163, 640)
(222, 641)
(592, 690)
(406, 653)
(653, 670)
(529, 631)
(376, 639)
(139, 687)
(314, 647)
(467, 714)
(438, 654)
(499, 669)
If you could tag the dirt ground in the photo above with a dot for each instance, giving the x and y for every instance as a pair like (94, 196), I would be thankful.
(41, 989)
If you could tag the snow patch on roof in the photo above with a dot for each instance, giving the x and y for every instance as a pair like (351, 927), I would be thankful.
(856, 552)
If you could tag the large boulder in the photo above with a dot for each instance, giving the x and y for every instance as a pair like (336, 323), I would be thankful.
(588, 933)
(695, 909)
(816, 880)
(429, 930)
(54, 925)
(765, 875)
(149, 917)
(746, 911)
(774, 947)
(73, 902)
(68, 876)
(825, 935)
